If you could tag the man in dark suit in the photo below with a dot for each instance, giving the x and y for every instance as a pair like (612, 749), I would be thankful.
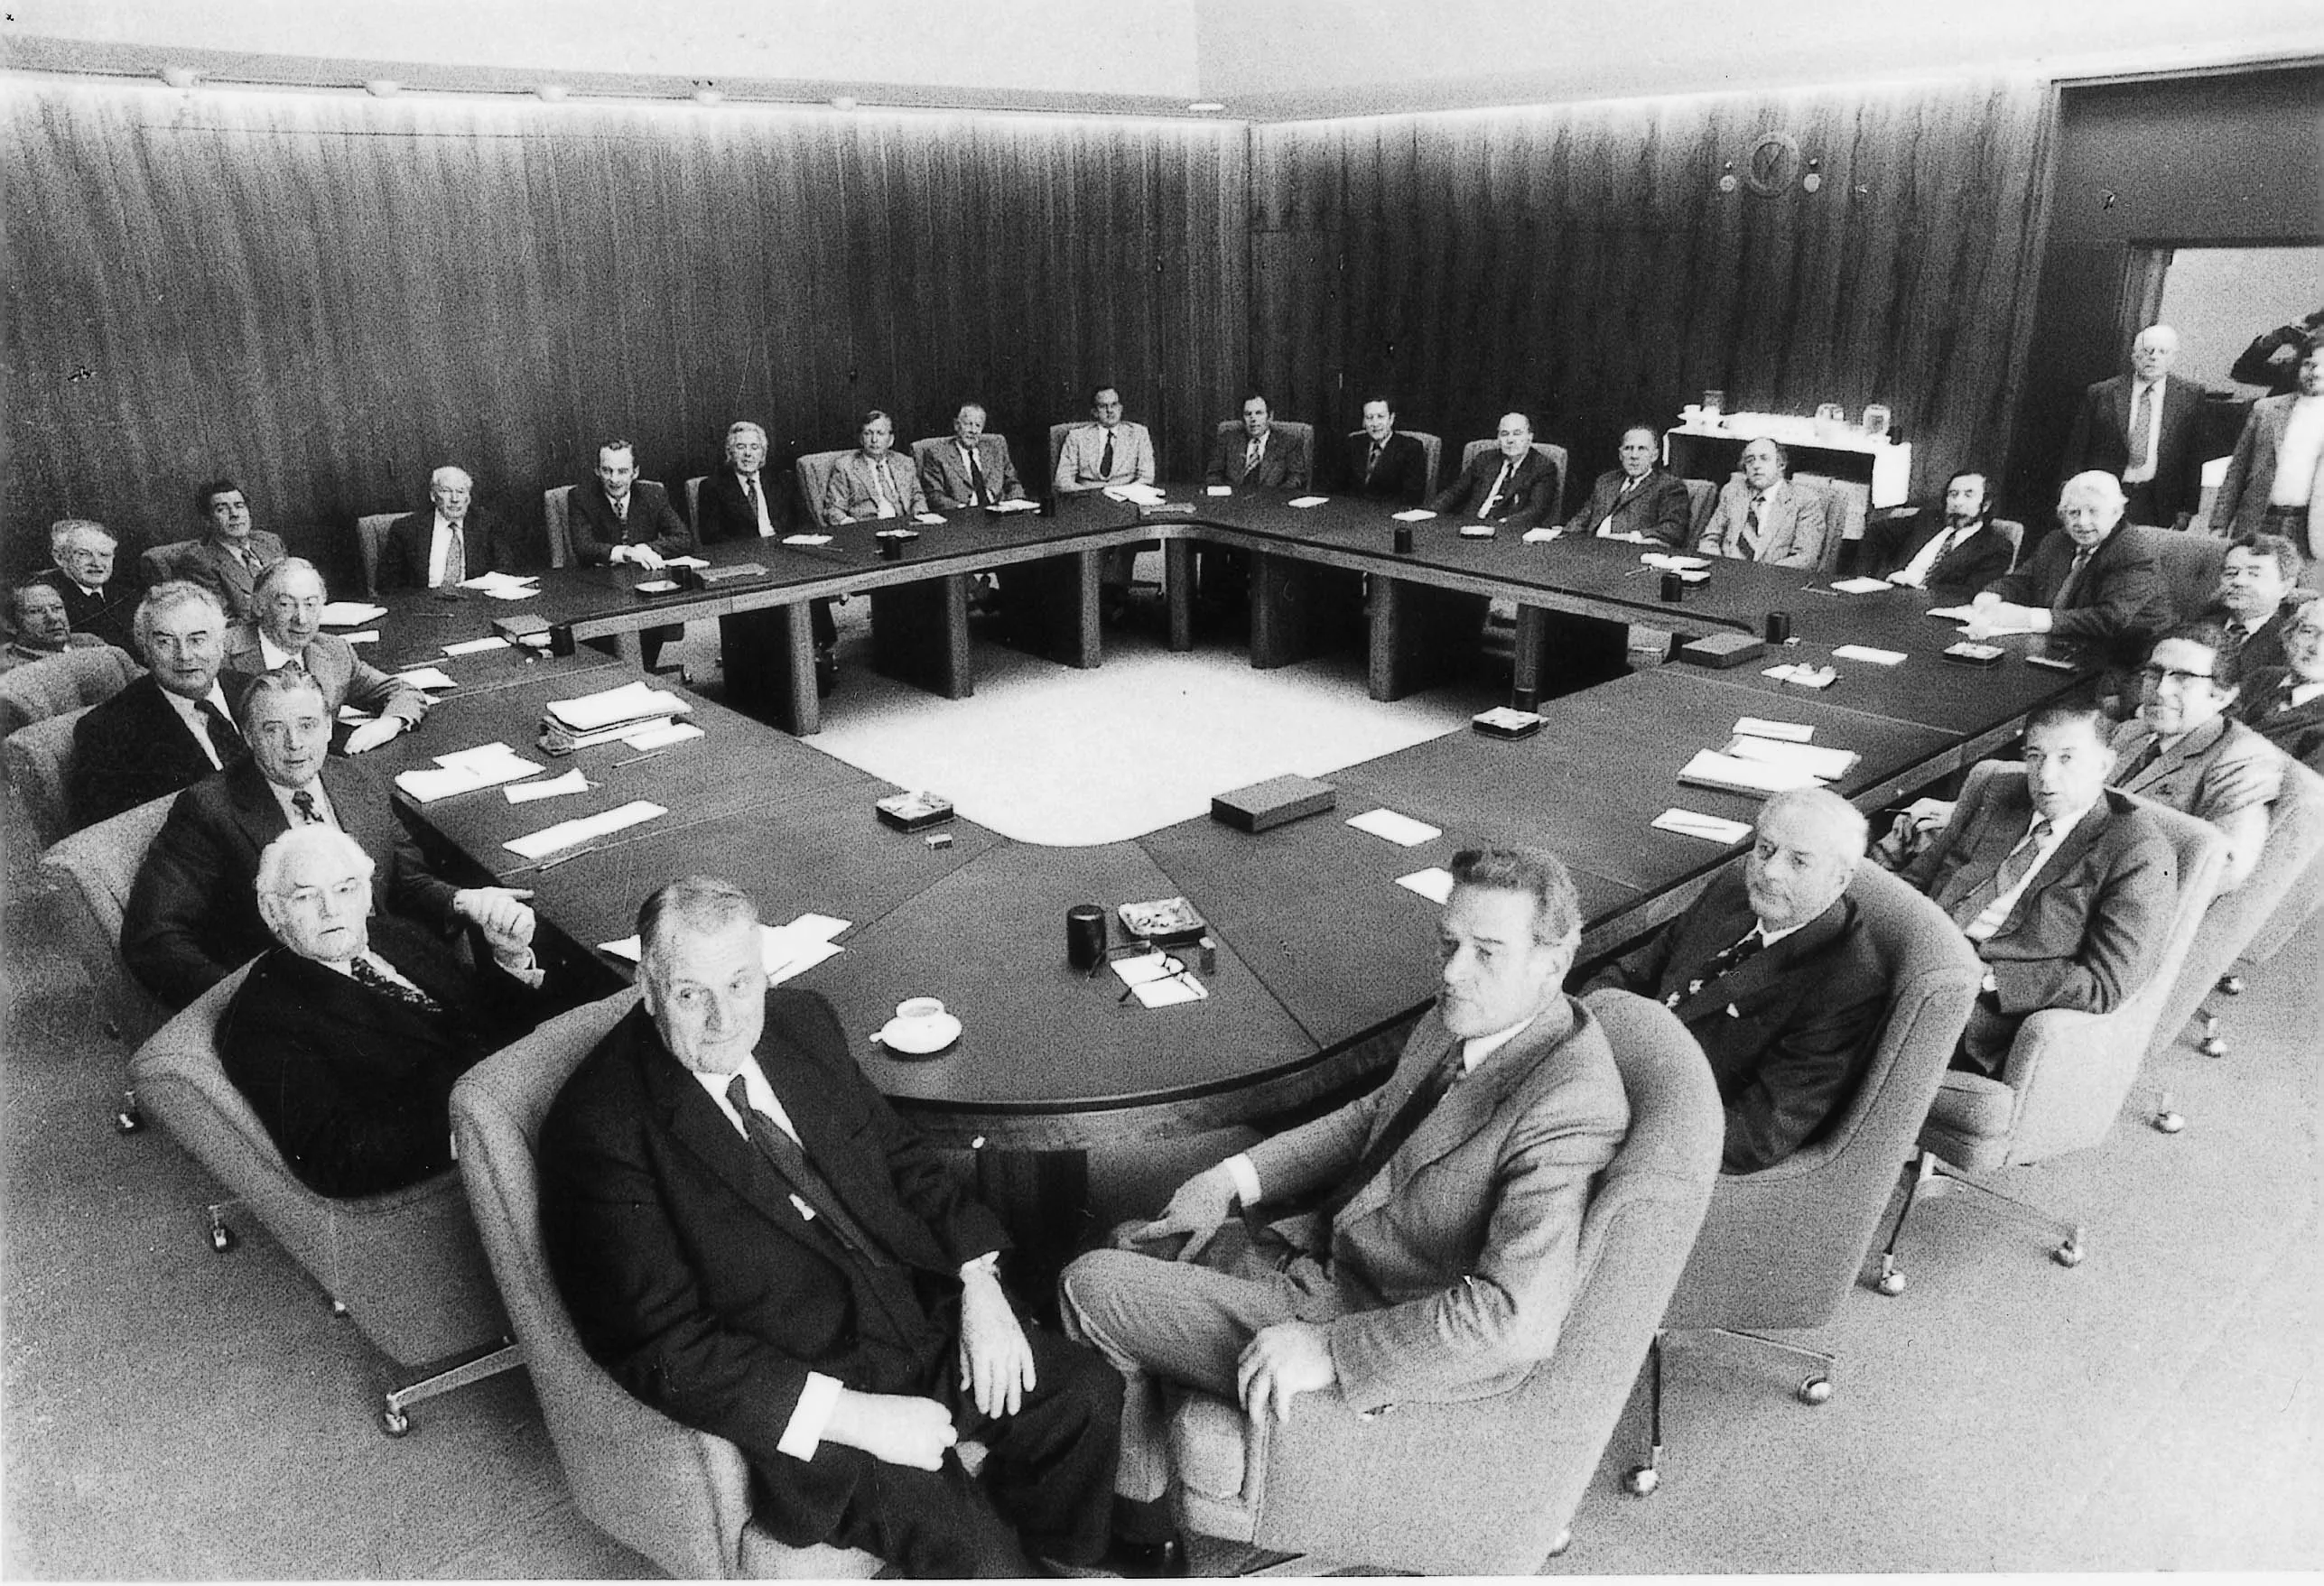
(1773, 973)
(1636, 499)
(1262, 458)
(231, 554)
(1509, 483)
(288, 630)
(2285, 705)
(169, 728)
(83, 551)
(193, 916)
(2063, 885)
(2142, 428)
(38, 625)
(616, 517)
(2094, 585)
(1380, 464)
(1952, 553)
(1442, 1260)
(752, 1241)
(452, 538)
(738, 502)
(2259, 594)
(348, 1036)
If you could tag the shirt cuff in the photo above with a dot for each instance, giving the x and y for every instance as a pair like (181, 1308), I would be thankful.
(1245, 1177)
(528, 974)
(804, 1432)
(989, 1264)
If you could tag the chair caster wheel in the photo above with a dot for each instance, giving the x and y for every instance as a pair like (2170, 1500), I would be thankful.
(395, 1422)
(2232, 985)
(1564, 1540)
(2212, 1046)
(1890, 1284)
(339, 1310)
(128, 1120)
(2068, 1254)
(221, 1238)
(2168, 1123)
(1641, 1481)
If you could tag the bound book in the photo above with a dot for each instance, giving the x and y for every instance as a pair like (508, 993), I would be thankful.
(720, 578)
(1721, 651)
(909, 811)
(1273, 803)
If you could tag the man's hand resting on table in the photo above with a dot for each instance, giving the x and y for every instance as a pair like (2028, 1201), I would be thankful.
(898, 1428)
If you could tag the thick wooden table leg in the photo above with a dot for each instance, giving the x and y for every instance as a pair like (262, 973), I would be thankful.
(1284, 622)
(1050, 607)
(1178, 581)
(920, 636)
(769, 658)
(1525, 649)
(1420, 634)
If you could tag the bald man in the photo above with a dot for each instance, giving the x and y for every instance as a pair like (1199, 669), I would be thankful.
(2140, 428)
(1772, 973)
(450, 539)
(1508, 482)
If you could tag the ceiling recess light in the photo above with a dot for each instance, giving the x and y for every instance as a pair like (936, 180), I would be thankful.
(707, 93)
(1206, 106)
(842, 101)
(383, 88)
(180, 76)
(551, 93)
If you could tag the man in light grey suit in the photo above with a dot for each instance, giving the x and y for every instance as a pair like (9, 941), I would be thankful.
(231, 554)
(1443, 1261)
(290, 597)
(1110, 450)
(971, 469)
(1765, 517)
(2276, 481)
(872, 481)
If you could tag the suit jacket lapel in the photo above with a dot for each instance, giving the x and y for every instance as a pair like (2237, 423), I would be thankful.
(696, 1122)
(2069, 853)
(1771, 963)
(256, 809)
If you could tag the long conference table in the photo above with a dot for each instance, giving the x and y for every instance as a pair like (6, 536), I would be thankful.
(1320, 957)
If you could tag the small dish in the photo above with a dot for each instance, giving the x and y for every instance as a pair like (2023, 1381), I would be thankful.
(924, 1037)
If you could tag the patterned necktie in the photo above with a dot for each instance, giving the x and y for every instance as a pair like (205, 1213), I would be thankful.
(1374, 461)
(791, 1161)
(881, 488)
(1749, 541)
(976, 478)
(2237, 631)
(758, 506)
(621, 510)
(1250, 456)
(455, 556)
(1409, 1118)
(1492, 496)
(2142, 418)
(2073, 584)
(1720, 965)
(224, 740)
(389, 986)
(1105, 460)
(303, 802)
(2003, 880)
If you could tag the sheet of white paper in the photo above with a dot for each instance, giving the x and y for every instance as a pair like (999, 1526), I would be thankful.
(500, 580)
(1865, 652)
(1793, 732)
(1803, 676)
(1218, 489)
(566, 834)
(466, 773)
(476, 646)
(1144, 967)
(806, 539)
(1671, 564)
(633, 701)
(1400, 829)
(1163, 993)
(1136, 495)
(1435, 883)
(1709, 827)
(512, 592)
(1823, 764)
(524, 792)
(428, 677)
(1414, 515)
(1307, 501)
(933, 519)
(1015, 504)
(350, 613)
(1750, 777)
(483, 755)
(782, 950)
(683, 561)
(1860, 586)
(1952, 613)
(815, 927)
(662, 734)
(369, 635)
(1542, 535)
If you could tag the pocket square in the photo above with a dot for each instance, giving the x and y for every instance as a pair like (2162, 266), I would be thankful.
(1732, 1012)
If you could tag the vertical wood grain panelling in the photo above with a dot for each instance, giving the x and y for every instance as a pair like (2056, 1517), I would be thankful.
(327, 296)
(1577, 262)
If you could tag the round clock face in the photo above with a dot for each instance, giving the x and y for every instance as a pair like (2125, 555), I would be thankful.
(1774, 162)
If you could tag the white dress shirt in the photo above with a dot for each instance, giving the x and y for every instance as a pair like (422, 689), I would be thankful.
(194, 722)
(2297, 453)
(1924, 562)
(1998, 911)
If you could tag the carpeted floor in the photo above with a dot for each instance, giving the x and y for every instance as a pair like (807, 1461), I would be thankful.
(173, 1413)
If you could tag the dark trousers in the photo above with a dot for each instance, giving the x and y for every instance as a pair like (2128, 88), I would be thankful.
(1046, 1488)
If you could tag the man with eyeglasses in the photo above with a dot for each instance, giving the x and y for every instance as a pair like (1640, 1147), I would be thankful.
(287, 629)
(2184, 749)
(2285, 704)
(1108, 450)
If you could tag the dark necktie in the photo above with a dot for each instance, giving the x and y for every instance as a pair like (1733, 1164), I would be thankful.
(2138, 762)
(303, 802)
(791, 1162)
(1250, 456)
(976, 478)
(1749, 541)
(1105, 458)
(223, 739)
(621, 511)
(1417, 1107)
(2012, 870)
(1628, 485)
(758, 508)
(1720, 964)
(389, 986)
(1377, 447)
(2238, 632)
(2066, 591)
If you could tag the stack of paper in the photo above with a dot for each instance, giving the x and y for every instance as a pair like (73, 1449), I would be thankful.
(1435, 883)
(1860, 586)
(476, 646)
(683, 561)
(1669, 562)
(1790, 732)
(1752, 778)
(1136, 495)
(565, 834)
(784, 951)
(1015, 504)
(626, 706)
(1307, 501)
(1400, 829)
(1709, 827)
(350, 614)
(1823, 764)
(505, 586)
(1414, 515)
(427, 677)
(465, 771)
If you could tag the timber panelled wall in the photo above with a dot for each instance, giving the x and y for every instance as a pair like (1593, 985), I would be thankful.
(1579, 262)
(325, 295)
